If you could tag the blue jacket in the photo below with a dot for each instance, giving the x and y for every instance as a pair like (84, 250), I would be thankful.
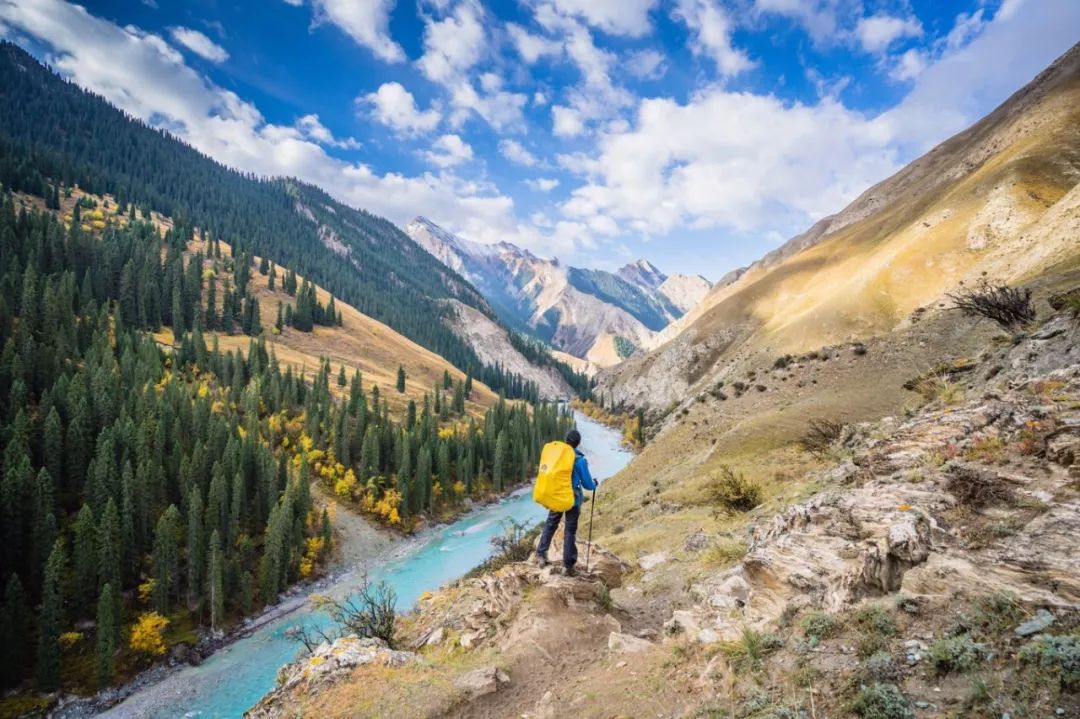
(581, 478)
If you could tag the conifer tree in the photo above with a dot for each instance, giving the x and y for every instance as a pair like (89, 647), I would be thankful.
(498, 469)
(14, 632)
(423, 478)
(166, 559)
(196, 552)
(106, 631)
(109, 558)
(85, 558)
(51, 620)
(215, 583)
(401, 379)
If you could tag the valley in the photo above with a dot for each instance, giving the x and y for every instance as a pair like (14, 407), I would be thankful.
(276, 386)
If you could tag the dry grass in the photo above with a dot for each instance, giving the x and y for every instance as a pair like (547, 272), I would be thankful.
(360, 343)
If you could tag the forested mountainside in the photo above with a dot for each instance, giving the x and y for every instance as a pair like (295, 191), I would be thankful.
(54, 133)
(592, 314)
(159, 489)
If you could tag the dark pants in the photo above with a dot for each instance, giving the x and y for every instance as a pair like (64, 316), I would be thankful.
(569, 554)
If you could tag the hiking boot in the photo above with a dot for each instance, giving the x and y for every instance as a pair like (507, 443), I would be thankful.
(569, 572)
(541, 560)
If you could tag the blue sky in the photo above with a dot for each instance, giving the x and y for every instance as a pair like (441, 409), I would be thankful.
(697, 133)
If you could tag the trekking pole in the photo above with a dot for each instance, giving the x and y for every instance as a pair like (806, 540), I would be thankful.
(588, 551)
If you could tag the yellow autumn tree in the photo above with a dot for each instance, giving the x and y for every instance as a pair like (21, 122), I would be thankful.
(147, 634)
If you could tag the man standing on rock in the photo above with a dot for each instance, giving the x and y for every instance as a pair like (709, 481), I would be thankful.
(581, 480)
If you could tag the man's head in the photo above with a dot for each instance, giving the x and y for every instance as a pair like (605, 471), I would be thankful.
(573, 438)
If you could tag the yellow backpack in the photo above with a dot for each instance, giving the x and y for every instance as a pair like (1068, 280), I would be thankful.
(554, 488)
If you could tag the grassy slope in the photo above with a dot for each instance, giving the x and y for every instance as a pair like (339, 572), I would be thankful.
(362, 343)
(995, 200)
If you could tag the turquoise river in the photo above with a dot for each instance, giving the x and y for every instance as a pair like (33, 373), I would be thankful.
(235, 678)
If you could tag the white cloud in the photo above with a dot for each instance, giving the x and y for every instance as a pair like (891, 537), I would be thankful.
(449, 151)
(818, 17)
(539, 99)
(199, 44)
(394, 106)
(710, 28)
(646, 64)
(752, 163)
(532, 47)
(367, 22)
(566, 121)
(878, 32)
(617, 17)
(909, 65)
(312, 128)
(965, 27)
(516, 152)
(543, 184)
(453, 46)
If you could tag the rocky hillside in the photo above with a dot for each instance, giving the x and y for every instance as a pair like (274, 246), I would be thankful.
(591, 314)
(921, 564)
(491, 342)
(682, 291)
(998, 200)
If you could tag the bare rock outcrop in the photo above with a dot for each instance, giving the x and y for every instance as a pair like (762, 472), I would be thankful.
(937, 506)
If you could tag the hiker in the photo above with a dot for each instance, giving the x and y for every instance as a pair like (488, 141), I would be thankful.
(581, 480)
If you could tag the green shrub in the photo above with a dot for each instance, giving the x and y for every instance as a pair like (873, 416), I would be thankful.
(956, 654)
(996, 612)
(724, 551)
(877, 626)
(820, 625)
(880, 668)
(734, 492)
(882, 701)
(1059, 655)
(748, 651)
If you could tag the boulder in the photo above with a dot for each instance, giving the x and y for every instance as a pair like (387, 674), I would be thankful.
(627, 644)
(330, 660)
(1040, 622)
(696, 541)
(651, 561)
(482, 681)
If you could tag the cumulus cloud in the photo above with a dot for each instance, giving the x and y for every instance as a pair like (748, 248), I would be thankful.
(543, 184)
(909, 65)
(710, 29)
(752, 163)
(199, 44)
(453, 45)
(395, 107)
(367, 22)
(878, 32)
(820, 18)
(312, 128)
(449, 151)
(617, 17)
(532, 47)
(646, 64)
(515, 152)
(566, 121)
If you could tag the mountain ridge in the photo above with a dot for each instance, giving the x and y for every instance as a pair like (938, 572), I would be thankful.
(580, 311)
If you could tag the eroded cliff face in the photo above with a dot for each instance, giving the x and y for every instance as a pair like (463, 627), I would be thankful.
(907, 553)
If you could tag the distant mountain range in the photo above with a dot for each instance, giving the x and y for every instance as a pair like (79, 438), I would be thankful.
(596, 315)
